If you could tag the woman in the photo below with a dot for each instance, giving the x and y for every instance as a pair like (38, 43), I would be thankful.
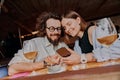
(74, 25)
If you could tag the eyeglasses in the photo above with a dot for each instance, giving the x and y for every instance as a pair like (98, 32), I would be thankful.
(52, 29)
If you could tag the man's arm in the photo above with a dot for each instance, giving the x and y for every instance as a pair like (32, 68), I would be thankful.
(24, 67)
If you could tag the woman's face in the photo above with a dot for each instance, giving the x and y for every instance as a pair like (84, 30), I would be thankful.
(71, 26)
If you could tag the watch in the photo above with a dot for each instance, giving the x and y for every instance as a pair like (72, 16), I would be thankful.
(83, 58)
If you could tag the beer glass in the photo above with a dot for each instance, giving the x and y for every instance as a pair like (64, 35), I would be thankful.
(105, 32)
(30, 50)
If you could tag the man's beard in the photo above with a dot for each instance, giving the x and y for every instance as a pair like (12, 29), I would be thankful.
(56, 41)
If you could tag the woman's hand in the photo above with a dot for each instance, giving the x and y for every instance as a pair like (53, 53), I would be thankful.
(74, 58)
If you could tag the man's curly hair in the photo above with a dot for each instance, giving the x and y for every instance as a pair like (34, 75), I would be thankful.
(41, 22)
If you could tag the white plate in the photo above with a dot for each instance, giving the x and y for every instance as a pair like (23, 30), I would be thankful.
(110, 63)
(79, 66)
(61, 70)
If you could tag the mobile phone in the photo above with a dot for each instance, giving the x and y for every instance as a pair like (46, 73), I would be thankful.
(63, 52)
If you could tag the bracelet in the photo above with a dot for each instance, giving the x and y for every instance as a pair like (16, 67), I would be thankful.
(83, 58)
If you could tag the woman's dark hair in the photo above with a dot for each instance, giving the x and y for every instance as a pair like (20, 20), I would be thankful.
(74, 15)
(41, 22)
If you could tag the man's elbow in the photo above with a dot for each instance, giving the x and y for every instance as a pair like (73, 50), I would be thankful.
(11, 70)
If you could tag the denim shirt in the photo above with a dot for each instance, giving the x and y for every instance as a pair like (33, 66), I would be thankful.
(100, 52)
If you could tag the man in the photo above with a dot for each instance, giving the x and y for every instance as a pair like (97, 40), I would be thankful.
(49, 27)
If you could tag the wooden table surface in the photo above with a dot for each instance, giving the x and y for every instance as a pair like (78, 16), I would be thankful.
(109, 70)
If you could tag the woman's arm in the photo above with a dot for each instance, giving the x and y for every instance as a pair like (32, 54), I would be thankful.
(75, 58)
(90, 34)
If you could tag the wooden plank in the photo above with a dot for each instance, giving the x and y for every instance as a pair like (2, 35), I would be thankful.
(98, 73)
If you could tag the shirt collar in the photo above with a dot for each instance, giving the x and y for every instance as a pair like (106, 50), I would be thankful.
(47, 43)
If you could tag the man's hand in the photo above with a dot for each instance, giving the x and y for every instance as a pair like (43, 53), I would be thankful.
(52, 60)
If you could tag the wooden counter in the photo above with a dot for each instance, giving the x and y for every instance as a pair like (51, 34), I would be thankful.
(109, 70)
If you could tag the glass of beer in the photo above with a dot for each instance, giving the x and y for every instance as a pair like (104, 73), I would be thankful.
(29, 50)
(106, 32)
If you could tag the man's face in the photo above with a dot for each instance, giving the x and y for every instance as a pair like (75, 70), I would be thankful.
(53, 30)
